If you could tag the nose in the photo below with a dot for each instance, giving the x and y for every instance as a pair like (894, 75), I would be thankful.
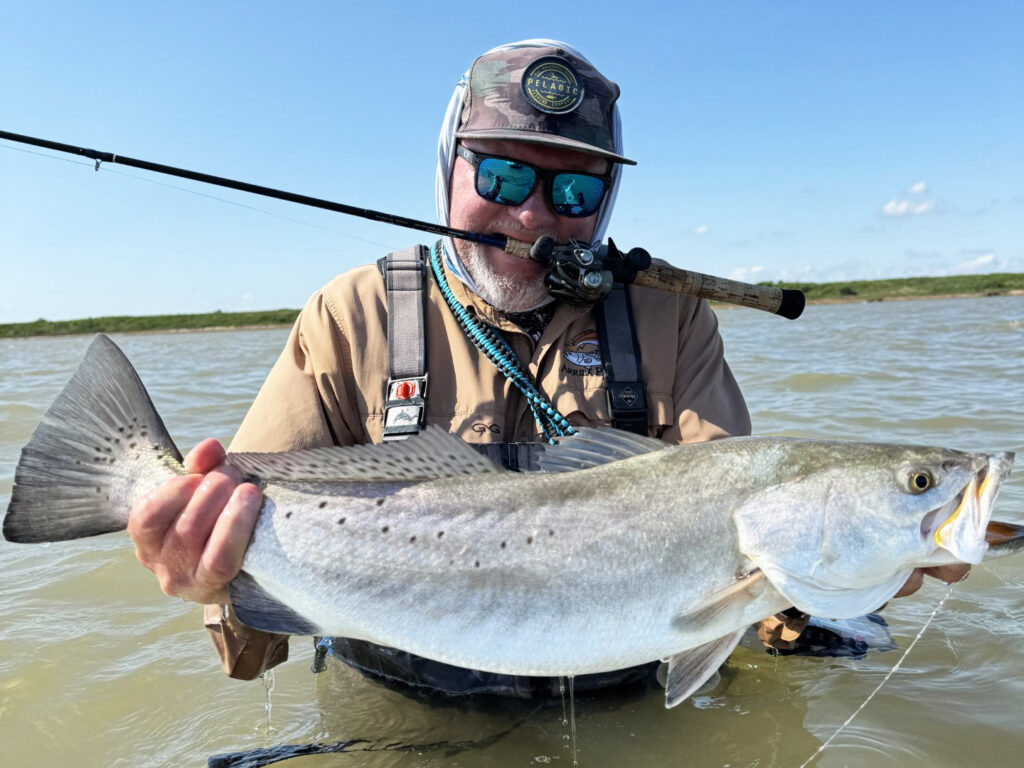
(534, 213)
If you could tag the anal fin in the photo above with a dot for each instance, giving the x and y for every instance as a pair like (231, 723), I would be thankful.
(688, 670)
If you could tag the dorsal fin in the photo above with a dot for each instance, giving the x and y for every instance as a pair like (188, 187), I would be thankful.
(591, 447)
(432, 454)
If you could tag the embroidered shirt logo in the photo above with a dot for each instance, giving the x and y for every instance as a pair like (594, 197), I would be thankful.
(583, 351)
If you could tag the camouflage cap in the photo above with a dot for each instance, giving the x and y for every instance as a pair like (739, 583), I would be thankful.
(544, 96)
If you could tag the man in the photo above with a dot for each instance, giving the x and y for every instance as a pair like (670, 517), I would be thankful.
(530, 147)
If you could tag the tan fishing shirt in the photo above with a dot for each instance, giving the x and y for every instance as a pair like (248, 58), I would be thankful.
(328, 388)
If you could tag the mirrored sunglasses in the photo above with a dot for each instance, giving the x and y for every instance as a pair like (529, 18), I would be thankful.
(506, 181)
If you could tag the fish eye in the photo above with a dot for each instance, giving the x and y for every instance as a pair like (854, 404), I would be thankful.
(920, 480)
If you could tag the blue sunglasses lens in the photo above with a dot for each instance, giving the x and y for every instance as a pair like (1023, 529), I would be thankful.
(509, 182)
(576, 194)
(504, 181)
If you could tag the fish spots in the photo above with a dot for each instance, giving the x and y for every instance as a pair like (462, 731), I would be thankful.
(440, 534)
(385, 529)
(504, 544)
(322, 504)
(412, 539)
(551, 532)
(132, 445)
(529, 539)
(380, 502)
(476, 564)
(287, 515)
(341, 521)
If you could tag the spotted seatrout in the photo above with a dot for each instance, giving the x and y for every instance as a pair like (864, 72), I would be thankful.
(620, 551)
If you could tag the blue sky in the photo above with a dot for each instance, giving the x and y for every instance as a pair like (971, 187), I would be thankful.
(804, 141)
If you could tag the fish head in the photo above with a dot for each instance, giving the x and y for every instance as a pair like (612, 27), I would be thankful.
(961, 527)
(842, 525)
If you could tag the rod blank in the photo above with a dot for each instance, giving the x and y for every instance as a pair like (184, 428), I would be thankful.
(779, 301)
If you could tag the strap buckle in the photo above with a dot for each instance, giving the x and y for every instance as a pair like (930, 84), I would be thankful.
(627, 403)
(405, 407)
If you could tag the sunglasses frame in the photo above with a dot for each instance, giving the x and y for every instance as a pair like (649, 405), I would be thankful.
(544, 175)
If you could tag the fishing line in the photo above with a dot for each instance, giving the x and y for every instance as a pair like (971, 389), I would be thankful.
(107, 169)
(885, 679)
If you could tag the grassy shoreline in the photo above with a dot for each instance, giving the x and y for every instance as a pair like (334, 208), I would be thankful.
(964, 286)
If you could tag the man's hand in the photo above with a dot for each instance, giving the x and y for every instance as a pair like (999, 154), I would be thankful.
(192, 531)
(782, 631)
(946, 573)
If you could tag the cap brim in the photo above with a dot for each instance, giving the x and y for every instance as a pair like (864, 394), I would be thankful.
(546, 139)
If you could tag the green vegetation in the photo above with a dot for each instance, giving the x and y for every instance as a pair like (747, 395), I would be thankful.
(128, 324)
(862, 290)
(909, 287)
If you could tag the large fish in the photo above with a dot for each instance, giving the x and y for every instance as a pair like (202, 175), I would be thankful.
(623, 551)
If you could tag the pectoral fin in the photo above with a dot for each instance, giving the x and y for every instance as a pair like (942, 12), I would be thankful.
(728, 605)
(688, 670)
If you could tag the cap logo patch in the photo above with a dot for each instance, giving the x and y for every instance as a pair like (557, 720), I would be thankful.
(552, 86)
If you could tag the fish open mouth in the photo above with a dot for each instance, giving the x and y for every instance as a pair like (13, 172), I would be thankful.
(960, 527)
(939, 518)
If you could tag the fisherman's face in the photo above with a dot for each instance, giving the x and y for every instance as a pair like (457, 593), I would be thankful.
(505, 281)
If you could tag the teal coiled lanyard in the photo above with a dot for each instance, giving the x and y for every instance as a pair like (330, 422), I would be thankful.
(494, 347)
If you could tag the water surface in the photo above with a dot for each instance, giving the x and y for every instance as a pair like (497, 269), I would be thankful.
(99, 668)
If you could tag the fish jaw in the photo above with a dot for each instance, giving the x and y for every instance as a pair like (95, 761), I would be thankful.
(963, 532)
(846, 529)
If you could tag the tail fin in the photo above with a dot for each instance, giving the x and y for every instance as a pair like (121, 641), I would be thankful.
(66, 485)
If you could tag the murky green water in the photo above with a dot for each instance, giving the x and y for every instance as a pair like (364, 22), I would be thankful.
(99, 668)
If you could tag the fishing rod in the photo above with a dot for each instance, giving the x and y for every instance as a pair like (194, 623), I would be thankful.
(579, 273)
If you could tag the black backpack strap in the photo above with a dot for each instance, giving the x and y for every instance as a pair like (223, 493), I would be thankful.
(620, 356)
(406, 399)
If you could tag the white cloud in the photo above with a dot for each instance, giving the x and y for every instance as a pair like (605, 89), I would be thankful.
(899, 209)
(747, 274)
(919, 189)
(984, 262)
(703, 229)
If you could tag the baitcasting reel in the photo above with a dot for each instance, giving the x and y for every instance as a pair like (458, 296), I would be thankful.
(582, 274)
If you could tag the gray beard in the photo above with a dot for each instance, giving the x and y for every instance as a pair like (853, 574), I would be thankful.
(509, 293)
